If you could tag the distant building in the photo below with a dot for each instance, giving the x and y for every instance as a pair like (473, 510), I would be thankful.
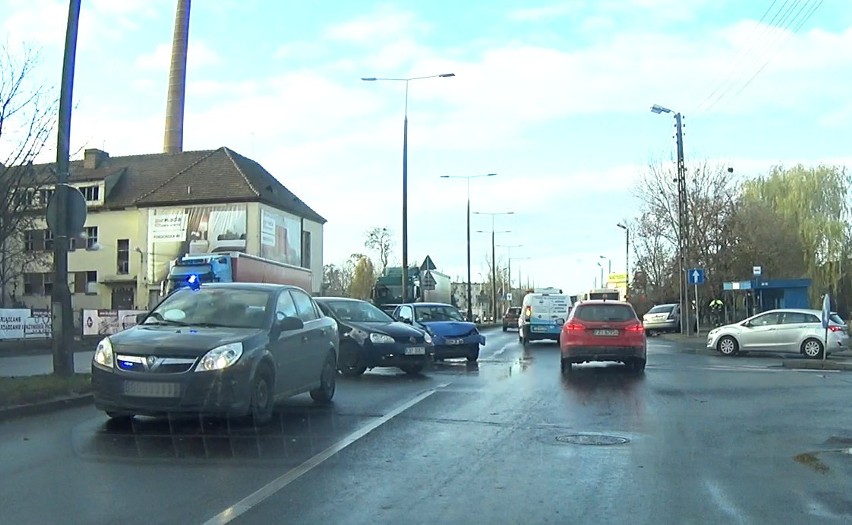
(481, 301)
(146, 210)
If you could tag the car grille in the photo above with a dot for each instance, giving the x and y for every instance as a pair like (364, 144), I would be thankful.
(409, 340)
(154, 364)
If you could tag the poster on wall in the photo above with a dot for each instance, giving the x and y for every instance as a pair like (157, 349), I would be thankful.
(175, 232)
(108, 322)
(22, 323)
(280, 237)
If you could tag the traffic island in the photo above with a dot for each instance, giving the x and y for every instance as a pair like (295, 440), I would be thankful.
(23, 396)
(817, 364)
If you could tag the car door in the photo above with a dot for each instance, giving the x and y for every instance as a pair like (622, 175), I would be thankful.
(314, 339)
(761, 333)
(285, 349)
(790, 331)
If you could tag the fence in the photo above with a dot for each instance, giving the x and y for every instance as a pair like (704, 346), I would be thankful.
(35, 324)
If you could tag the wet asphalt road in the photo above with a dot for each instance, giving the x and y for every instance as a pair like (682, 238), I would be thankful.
(696, 439)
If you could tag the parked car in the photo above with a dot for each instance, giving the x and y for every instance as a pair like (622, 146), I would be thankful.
(662, 318)
(225, 349)
(603, 331)
(370, 338)
(452, 336)
(510, 318)
(783, 330)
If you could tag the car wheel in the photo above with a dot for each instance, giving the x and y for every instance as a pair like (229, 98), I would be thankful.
(728, 346)
(262, 397)
(505, 328)
(412, 370)
(638, 365)
(565, 366)
(650, 333)
(812, 348)
(119, 417)
(328, 383)
(473, 355)
(352, 371)
(526, 337)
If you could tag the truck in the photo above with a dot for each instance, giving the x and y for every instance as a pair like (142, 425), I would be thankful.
(387, 292)
(233, 267)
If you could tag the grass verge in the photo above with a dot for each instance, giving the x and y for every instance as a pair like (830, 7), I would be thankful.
(15, 391)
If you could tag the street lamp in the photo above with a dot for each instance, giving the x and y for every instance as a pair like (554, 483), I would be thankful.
(609, 268)
(520, 281)
(405, 172)
(602, 270)
(626, 260)
(682, 233)
(469, 285)
(509, 258)
(494, 256)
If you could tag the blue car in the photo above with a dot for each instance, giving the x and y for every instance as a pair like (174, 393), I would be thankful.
(452, 336)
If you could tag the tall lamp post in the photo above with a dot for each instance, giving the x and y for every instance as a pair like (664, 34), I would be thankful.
(602, 272)
(469, 285)
(405, 172)
(608, 269)
(508, 248)
(682, 226)
(494, 256)
(626, 260)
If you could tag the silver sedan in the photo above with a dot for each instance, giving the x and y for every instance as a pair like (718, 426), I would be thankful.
(784, 330)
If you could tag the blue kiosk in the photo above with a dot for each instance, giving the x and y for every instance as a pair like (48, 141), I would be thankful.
(747, 298)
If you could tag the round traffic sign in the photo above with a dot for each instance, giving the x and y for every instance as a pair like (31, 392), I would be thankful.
(75, 216)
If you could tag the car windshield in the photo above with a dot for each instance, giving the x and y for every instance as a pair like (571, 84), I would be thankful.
(604, 312)
(221, 307)
(662, 309)
(357, 311)
(431, 313)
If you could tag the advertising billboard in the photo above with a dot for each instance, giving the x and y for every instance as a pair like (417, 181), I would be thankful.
(177, 231)
(280, 237)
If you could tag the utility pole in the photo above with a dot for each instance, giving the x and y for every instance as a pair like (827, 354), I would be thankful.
(683, 226)
(63, 317)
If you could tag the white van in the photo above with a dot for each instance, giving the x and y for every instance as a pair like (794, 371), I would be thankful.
(542, 316)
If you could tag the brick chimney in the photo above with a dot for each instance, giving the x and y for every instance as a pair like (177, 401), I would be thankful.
(92, 158)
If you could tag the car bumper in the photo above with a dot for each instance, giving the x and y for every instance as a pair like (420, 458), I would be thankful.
(460, 347)
(580, 354)
(662, 326)
(226, 392)
(392, 355)
(544, 331)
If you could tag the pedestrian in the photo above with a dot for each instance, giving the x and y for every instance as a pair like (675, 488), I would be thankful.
(716, 307)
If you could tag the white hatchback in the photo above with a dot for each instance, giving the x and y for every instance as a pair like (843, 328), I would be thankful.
(784, 330)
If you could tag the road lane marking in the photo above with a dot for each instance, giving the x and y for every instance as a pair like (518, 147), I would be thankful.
(244, 505)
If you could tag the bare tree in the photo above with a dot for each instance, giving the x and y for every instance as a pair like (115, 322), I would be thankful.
(27, 120)
(380, 240)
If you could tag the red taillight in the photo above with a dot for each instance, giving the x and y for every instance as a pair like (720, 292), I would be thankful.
(574, 327)
(835, 328)
(635, 328)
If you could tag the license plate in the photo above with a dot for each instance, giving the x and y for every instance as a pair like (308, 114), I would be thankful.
(146, 389)
(539, 329)
(455, 341)
(606, 332)
(415, 350)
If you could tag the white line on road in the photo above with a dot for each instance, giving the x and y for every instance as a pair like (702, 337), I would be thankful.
(268, 490)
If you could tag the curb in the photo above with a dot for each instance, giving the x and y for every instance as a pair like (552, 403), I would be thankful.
(816, 365)
(43, 407)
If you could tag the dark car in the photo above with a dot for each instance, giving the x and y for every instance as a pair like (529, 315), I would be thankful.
(225, 349)
(452, 336)
(603, 331)
(370, 338)
(510, 318)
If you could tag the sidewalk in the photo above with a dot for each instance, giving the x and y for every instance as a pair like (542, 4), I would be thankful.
(34, 365)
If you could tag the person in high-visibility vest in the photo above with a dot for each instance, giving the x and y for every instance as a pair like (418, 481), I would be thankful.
(716, 307)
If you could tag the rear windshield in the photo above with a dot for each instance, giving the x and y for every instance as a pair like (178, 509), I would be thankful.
(836, 319)
(514, 311)
(661, 309)
(604, 312)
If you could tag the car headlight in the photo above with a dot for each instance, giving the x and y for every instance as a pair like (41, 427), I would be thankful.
(427, 338)
(104, 356)
(220, 357)
(380, 338)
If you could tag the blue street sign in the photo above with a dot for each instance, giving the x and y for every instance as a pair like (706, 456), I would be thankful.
(696, 276)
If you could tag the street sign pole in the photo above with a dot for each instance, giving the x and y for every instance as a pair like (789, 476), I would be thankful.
(697, 317)
(826, 317)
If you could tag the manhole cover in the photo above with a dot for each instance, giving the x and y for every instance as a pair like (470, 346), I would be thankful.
(592, 439)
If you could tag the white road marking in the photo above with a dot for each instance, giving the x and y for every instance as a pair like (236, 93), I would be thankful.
(268, 490)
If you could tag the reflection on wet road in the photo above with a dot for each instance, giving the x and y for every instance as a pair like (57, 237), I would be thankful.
(506, 440)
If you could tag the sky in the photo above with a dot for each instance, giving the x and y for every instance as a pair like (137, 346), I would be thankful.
(552, 96)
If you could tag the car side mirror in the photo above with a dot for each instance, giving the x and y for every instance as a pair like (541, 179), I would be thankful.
(288, 324)
(141, 317)
(406, 320)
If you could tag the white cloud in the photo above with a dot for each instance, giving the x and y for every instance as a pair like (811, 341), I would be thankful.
(378, 27)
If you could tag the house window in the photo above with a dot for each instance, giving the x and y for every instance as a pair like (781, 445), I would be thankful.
(33, 240)
(33, 284)
(48, 240)
(306, 249)
(91, 237)
(80, 282)
(91, 193)
(48, 283)
(92, 282)
(123, 256)
(44, 196)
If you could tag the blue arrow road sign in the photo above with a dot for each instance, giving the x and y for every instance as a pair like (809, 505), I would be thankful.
(696, 276)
